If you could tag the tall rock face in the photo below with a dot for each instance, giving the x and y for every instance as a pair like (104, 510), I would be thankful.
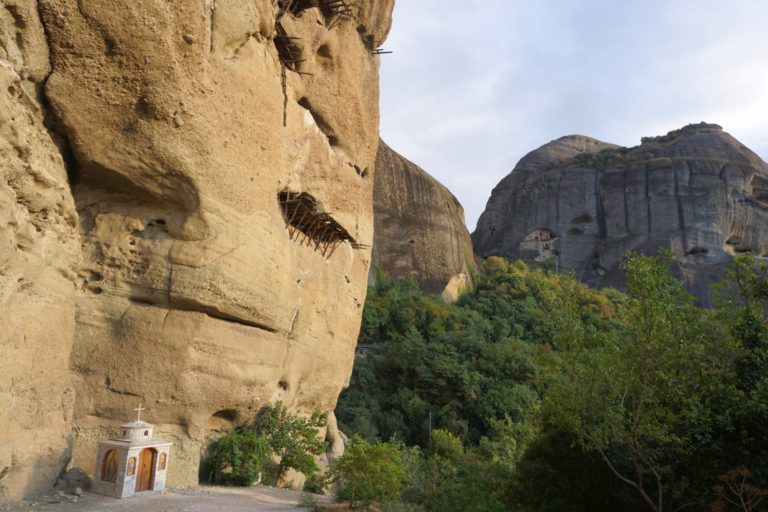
(39, 247)
(210, 252)
(581, 204)
(419, 227)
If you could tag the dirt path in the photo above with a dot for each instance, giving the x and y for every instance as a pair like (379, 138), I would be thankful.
(200, 499)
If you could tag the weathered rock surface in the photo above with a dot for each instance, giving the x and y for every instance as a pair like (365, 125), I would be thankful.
(39, 245)
(224, 204)
(582, 204)
(419, 227)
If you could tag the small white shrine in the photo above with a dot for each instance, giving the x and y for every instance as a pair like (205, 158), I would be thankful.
(132, 463)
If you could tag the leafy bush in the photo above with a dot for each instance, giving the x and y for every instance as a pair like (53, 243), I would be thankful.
(292, 438)
(602, 159)
(368, 473)
(315, 483)
(238, 458)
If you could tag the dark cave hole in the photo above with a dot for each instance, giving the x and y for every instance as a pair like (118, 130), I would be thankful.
(698, 251)
(288, 49)
(332, 10)
(320, 121)
(226, 415)
(584, 218)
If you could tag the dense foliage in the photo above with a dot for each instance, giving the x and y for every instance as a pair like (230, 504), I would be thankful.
(238, 458)
(292, 438)
(241, 456)
(536, 393)
(368, 473)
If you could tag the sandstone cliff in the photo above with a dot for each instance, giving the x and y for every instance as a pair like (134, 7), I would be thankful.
(210, 252)
(581, 204)
(419, 227)
(39, 248)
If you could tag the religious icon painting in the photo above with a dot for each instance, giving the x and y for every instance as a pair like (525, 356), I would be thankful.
(109, 470)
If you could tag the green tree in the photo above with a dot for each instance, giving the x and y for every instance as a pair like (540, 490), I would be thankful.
(292, 438)
(742, 300)
(459, 478)
(640, 400)
(238, 458)
(556, 475)
(368, 473)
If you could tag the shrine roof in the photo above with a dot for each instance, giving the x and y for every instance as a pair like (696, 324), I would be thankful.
(137, 424)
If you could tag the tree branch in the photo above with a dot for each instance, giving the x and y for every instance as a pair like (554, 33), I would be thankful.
(625, 480)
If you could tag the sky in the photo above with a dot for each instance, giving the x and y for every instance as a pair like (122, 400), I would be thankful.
(474, 85)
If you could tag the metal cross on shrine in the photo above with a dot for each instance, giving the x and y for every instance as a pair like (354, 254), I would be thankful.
(139, 408)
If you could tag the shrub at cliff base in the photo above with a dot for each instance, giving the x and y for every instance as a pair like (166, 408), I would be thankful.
(369, 473)
(295, 440)
(240, 456)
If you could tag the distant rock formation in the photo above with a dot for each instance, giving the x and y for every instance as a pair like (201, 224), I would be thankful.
(209, 251)
(419, 229)
(579, 203)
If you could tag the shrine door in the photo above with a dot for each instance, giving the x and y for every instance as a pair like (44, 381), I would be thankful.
(144, 476)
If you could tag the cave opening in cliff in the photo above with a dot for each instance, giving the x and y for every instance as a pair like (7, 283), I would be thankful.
(333, 11)
(288, 49)
(306, 224)
(294, 6)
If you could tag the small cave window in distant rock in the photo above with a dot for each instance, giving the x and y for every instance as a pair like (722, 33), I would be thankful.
(734, 244)
(760, 189)
(306, 224)
(584, 218)
(698, 251)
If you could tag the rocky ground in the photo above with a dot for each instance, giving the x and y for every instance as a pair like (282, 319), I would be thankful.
(200, 499)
